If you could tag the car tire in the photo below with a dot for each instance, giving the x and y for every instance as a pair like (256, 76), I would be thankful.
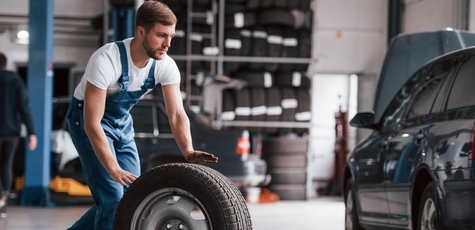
(428, 209)
(351, 212)
(172, 194)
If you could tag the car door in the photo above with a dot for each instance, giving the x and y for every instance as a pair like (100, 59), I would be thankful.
(370, 157)
(410, 140)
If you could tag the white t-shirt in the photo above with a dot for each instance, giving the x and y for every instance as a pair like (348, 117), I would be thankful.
(104, 70)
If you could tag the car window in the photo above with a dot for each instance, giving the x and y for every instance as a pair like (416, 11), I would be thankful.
(429, 89)
(399, 105)
(463, 89)
(143, 119)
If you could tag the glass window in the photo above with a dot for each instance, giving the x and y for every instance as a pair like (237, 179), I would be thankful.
(143, 118)
(398, 106)
(463, 89)
(429, 89)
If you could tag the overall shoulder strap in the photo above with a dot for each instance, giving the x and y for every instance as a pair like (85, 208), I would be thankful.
(124, 78)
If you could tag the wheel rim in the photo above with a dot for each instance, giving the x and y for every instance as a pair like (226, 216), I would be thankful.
(429, 215)
(170, 209)
(349, 210)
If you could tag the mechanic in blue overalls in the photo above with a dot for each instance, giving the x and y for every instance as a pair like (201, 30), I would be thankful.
(116, 77)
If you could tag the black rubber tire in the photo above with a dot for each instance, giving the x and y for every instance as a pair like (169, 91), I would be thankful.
(285, 145)
(289, 191)
(246, 19)
(228, 106)
(429, 202)
(246, 42)
(276, 17)
(290, 48)
(292, 79)
(281, 4)
(232, 47)
(289, 107)
(266, 4)
(243, 104)
(258, 107)
(284, 161)
(259, 79)
(259, 47)
(274, 46)
(253, 4)
(303, 113)
(287, 176)
(274, 110)
(168, 194)
(351, 213)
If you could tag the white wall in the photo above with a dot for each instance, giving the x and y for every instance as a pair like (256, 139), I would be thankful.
(428, 15)
(349, 36)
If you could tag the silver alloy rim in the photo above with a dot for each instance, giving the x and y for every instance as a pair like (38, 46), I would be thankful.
(170, 209)
(349, 210)
(428, 218)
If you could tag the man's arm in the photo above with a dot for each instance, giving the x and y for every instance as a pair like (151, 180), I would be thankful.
(94, 105)
(180, 125)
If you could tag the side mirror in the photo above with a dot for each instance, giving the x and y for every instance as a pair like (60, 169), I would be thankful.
(363, 120)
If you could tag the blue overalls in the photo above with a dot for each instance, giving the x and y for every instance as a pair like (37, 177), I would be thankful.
(118, 127)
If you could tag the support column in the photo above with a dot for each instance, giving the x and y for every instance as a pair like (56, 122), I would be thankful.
(39, 80)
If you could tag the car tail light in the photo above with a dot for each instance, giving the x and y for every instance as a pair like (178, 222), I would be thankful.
(243, 143)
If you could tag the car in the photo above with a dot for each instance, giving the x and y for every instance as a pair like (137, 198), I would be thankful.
(415, 169)
(239, 160)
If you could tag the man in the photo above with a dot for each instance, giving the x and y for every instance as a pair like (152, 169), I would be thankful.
(14, 110)
(116, 77)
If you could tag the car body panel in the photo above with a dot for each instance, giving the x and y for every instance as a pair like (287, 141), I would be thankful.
(425, 136)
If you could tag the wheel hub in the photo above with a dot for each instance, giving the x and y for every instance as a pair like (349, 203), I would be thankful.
(174, 224)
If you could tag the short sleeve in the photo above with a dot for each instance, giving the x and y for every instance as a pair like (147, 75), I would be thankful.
(103, 68)
(168, 72)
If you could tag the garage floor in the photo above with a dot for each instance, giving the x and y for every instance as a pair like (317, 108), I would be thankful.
(317, 213)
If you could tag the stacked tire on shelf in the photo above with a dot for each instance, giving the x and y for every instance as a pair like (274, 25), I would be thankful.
(287, 164)
(276, 92)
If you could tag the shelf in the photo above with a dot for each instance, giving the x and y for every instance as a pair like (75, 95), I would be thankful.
(196, 57)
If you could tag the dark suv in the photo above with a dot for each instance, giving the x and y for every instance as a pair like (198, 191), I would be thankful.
(415, 169)
(156, 144)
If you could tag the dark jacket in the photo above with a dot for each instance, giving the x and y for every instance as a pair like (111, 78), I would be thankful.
(14, 105)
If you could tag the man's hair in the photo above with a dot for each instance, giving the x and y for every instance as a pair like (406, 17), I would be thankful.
(3, 61)
(151, 12)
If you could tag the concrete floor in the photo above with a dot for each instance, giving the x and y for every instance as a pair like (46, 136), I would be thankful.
(326, 213)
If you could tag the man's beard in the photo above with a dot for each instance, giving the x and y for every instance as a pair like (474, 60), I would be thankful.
(150, 52)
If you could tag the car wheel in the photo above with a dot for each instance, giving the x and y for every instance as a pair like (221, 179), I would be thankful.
(428, 209)
(182, 196)
(351, 217)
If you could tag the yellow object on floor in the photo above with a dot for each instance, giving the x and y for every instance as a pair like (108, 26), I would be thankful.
(61, 185)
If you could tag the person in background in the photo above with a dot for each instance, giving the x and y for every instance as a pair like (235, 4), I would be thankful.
(117, 76)
(15, 110)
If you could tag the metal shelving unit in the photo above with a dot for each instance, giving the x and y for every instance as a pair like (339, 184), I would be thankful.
(217, 62)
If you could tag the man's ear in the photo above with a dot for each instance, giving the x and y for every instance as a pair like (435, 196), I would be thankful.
(141, 31)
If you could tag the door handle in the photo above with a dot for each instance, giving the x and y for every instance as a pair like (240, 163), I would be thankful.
(420, 137)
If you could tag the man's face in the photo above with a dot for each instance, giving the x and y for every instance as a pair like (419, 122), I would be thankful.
(157, 41)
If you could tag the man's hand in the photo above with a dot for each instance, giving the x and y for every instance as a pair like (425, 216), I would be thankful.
(200, 157)
(123, 177)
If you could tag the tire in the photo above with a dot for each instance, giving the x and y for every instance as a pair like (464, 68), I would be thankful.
(351, 213)
(172, 194)
(428, 209)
